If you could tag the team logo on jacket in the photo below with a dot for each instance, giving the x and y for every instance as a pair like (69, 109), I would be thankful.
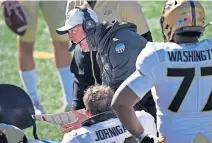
(120, 48)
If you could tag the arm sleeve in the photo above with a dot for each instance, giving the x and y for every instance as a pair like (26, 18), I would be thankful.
(139, 84)
(132, 12)
(142, 80)
(147, 60)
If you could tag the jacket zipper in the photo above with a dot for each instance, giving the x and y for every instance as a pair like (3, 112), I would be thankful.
(92, 4)
(92, 66)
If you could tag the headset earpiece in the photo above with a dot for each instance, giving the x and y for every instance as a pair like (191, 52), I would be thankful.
(88, 24)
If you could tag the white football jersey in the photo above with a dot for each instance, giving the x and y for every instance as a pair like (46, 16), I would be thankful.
(181, 77)
(110, 131)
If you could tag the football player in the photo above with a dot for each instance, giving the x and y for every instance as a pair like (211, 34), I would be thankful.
(54, 13)
(179, 72)
(101, 124)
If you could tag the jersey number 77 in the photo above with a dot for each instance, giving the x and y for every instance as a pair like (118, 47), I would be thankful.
(188, 74)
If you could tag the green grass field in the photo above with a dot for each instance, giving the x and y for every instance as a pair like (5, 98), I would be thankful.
(48, 83)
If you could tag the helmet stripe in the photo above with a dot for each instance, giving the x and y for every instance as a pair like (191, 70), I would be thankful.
(193, 13)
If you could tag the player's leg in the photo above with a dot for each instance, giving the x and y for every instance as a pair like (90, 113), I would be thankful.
(54, 13)
(25, 54)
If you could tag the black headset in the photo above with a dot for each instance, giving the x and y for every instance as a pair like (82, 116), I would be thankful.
(88, 25)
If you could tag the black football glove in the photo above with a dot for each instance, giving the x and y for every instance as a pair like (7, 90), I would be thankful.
(147, 139)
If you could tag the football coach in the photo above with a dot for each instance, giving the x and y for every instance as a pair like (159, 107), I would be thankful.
(117, 44)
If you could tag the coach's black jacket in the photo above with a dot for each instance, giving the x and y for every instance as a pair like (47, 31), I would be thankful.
(117, 45)
(116, 68)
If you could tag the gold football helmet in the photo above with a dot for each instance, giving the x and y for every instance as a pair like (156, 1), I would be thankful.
(181, 16)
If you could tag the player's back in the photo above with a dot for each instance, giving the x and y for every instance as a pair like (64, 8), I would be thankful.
(183, 88)
(110, 131)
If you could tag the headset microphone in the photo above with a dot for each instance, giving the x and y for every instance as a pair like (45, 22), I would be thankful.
(210, 23)
(73, 46)
(88, 25)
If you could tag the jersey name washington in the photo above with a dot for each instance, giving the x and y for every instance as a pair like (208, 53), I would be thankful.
(190, 56)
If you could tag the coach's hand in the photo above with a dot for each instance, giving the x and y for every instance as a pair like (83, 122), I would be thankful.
(75, 125)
